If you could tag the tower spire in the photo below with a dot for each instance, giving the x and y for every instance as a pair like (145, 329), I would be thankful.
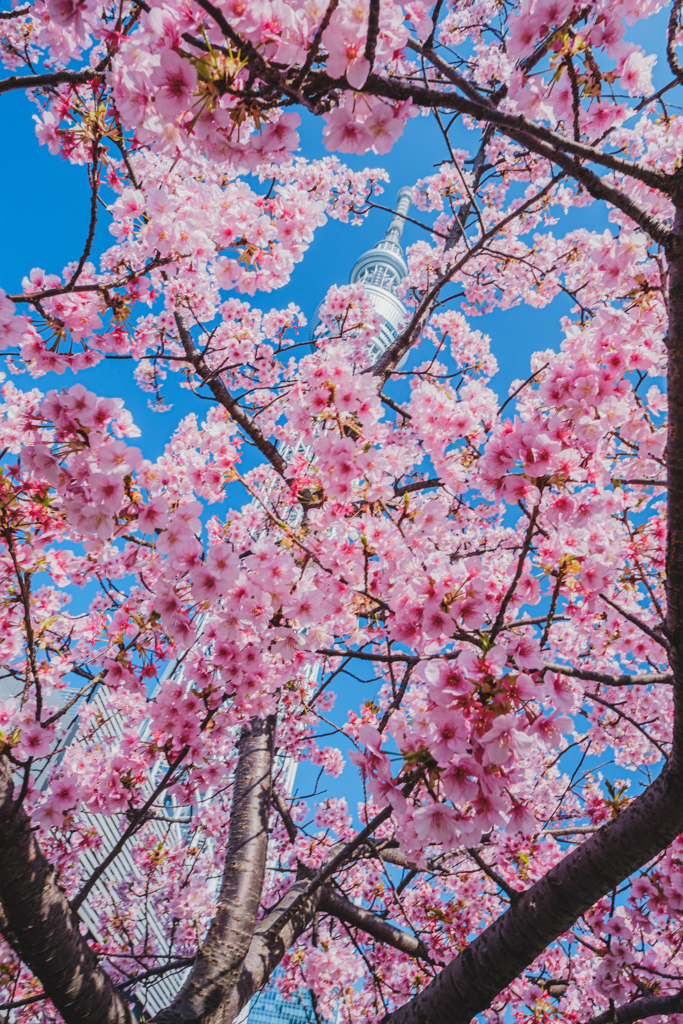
(383, 266)
(395, 229)
(381, 270)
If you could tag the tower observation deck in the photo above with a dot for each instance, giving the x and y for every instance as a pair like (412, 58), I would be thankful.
(380, 270)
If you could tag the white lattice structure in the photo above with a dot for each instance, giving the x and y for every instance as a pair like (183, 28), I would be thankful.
(380, 270)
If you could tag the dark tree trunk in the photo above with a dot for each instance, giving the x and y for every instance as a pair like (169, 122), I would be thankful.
(219, 960)
(674, 473)
(42, 928)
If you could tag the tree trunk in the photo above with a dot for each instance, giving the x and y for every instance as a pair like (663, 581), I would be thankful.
(42, 928)
(268, 946)
(219, 960)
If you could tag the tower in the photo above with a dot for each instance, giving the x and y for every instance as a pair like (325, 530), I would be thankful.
(380, 270)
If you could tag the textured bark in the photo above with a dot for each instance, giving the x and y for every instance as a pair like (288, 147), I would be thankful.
(50, 80)
(494, 959)
(219, 960)
(648, 1006)
(41, 927)
(338, 906)
(272, 938)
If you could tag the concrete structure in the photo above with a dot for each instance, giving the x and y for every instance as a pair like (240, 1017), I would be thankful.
(381, 270)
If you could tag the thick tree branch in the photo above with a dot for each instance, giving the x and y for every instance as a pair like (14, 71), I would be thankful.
(533, 137)
(50, 79)
(648, 1006)
(42, 928)
(643, 679)
(539, 915)
(19, 12)
(643, 829)
(273, 936)
(672, 31)
(219, 960)
(338, 906)
(517, 122)
(373, 31)
(674, 476)
(343, 853)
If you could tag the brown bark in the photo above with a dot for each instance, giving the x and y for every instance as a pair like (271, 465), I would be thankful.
(493, 960)
(42, 928)
(338, 906)
(273, 936)
(648, 1006)
(674, 474)
(219, 960)
(638, 679)
(49, 80)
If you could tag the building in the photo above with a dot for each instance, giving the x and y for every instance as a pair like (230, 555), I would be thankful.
(380, 270)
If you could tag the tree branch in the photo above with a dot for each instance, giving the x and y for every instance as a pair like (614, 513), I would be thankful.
(19, 12)
(648, 630)
(137, 819)
(418, 485)
(222, 395)
(648, 1006)
(219, 960)
(373, 32)
(644, 679)
(339, 906)
(517, 122)
(556, 150)
(673, 27)
(509, 593)
(550, 907)
(392, 356)
(50, 79)
(273, 937)
(513, 893)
